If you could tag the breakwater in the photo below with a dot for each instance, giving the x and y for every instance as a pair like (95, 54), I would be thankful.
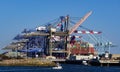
(26, 62)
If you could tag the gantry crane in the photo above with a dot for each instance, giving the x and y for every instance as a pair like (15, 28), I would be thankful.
(74, 28)
(48, 35)
(80, 22)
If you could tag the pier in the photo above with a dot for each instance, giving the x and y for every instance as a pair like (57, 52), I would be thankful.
(58, 60)
(109, 62)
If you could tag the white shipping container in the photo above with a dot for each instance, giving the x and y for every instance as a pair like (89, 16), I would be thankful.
(41, 28)
(53, 29)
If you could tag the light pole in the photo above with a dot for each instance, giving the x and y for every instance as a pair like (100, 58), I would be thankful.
(18, 45)
(109, 45)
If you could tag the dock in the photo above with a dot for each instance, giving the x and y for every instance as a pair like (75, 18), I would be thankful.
(109, 62)
(58, 60)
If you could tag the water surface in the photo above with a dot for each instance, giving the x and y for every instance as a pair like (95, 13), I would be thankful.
(66, 68)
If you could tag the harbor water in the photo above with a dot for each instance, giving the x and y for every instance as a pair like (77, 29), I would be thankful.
(66, 68)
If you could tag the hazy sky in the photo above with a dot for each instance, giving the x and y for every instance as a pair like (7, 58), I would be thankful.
(15, 15)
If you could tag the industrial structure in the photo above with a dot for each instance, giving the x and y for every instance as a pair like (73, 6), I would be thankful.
(60, 38)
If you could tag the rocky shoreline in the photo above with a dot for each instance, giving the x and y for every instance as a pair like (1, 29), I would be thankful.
(27, 62)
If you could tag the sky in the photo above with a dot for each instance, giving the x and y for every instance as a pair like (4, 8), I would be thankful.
(16, 15)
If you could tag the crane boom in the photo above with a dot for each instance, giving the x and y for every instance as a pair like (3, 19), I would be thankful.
(80, 22)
